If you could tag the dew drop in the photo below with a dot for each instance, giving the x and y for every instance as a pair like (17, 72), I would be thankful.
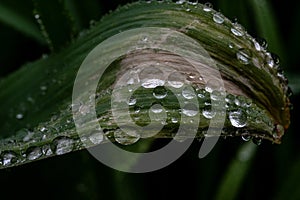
(257, 46)
(84, 109)
(238, 118)
(46, 150)
(190, 110)
(237, 30)
(176, 80)
(180, 2)
(218, 18)
(188, 92)
(43, 129)
(19, 116)
(131, 101)
(174, 120)
(43, 87)
(257, 141)
(33, 153)
(122, 138)
(213, 85)
(96, 137)
(156, 108)
(207, 7)
(28, 136)
(208, 113)
(262, 42)
(243, 56)
(246, 137)
(9, 158)
(145, 39)
(63, 145)
(231, 45)
(151, 77)
(160, 92)
(37, 16)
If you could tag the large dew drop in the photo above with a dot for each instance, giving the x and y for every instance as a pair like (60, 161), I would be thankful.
(237, 30)
(151, 77)
(190, 110)
(243, 56)
(238, 118)
(34, 153)
(188, 92)
(9, 158)
(160, 92)
(218, 18)
(208, 113)
(176, 80)
(122, 138)
(207, 7)
(63, 145)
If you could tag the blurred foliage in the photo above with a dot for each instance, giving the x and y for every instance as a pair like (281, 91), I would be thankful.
(271, 173)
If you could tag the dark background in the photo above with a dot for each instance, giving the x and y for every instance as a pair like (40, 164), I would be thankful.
(273, 174)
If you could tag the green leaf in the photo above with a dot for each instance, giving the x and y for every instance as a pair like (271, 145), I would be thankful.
(55, 23)
(267, 25)
(13, 18)
(36, 108)
(229, 188)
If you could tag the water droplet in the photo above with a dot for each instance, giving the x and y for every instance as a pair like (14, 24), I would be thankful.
(19, 116)
(208, 113)
(262, 42)
(63, 145)
(190, 110)
(180, 2)
(33, 153)
(84, 109)
(96, 137)
(213, 85)
(28, 136)
(43, 129)
(43, 88)
(238, 118)
(237, 102)
(237, 30)
(151, 77)
(131, 101)
(160, 92)
(176, 80)
(9, 158)
(145, 39)
(188, 92)
(37, 16)
(218, 18)
(156, 108)
(174, 120)
(47, 150)
(243, 56)
(246, 137)
(207, 7)
(122, 138)
(257, 45)
(231, 45)
(257, 141)
(92, 23)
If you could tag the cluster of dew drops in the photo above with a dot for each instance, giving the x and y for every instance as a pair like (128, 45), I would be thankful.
(237, 118)
(271, 60)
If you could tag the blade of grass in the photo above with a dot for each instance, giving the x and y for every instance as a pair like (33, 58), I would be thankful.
(12, 18)
(55, 23)
(290, 188)
(267, 25)
(235, 174)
